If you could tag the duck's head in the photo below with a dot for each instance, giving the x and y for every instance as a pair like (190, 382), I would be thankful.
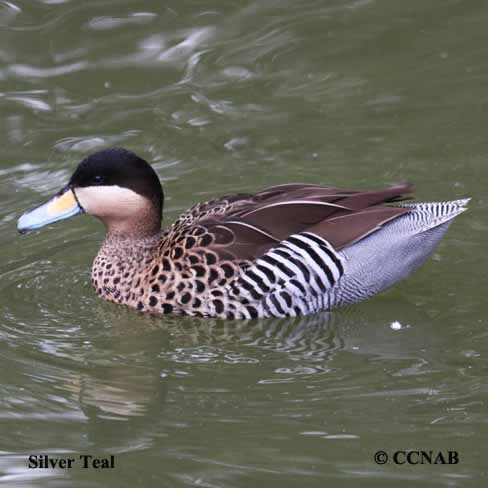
(114, 185)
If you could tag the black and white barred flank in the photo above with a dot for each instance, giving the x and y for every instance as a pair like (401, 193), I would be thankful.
(295, 278)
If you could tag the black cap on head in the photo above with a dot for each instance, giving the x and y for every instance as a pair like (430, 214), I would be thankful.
(121, 167)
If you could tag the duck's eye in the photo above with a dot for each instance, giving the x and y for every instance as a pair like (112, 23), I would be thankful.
(98, 180)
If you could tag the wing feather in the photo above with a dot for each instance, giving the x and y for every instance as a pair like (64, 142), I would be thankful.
(258, 222)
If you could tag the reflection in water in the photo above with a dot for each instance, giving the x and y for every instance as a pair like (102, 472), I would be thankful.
(312, 337)
(116, 382)
(122, 407)
(124, 401)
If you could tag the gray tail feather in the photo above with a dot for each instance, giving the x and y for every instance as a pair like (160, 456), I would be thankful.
(428, 215)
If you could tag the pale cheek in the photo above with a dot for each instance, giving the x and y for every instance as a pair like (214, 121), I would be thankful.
(110, 201)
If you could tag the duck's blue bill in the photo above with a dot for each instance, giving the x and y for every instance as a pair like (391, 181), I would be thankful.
(61, 206)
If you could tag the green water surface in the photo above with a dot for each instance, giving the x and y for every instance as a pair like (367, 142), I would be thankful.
(225, 96)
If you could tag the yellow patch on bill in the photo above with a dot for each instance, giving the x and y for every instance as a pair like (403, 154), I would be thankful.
(64, 203)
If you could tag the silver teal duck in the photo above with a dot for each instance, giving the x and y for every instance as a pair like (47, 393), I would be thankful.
(287, 250)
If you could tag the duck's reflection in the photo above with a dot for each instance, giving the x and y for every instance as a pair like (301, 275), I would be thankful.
(123, 406)
(310, 336)
(123, 392)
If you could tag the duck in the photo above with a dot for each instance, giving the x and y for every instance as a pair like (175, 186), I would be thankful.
(288, 250)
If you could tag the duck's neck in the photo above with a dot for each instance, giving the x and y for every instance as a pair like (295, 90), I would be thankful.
(120, 264)
(140, 226)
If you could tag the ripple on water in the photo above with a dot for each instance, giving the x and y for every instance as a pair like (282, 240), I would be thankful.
(110, 23)
(89, 144)
(57, 339)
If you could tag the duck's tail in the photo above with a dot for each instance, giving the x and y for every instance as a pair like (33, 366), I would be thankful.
(427, 215)
(398, 248)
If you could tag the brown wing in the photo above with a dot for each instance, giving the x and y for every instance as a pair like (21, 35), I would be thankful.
(244, 227)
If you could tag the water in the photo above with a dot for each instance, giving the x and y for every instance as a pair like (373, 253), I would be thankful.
(232, 96)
